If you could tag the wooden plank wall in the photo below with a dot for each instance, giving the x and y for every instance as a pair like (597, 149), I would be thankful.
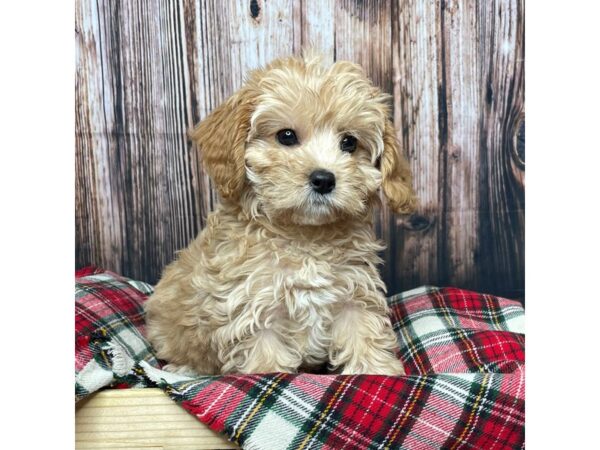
(148, 70)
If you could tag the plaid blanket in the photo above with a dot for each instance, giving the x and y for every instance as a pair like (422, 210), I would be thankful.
(463, 353)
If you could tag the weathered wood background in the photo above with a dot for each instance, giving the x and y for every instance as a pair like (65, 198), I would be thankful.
(148, 70)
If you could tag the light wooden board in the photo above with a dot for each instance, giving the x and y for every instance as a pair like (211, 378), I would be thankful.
(149, 70)
(140, 419)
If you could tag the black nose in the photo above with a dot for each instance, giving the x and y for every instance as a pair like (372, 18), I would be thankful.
(322, 181)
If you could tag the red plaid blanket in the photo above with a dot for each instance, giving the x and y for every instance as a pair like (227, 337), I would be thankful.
(464, 388)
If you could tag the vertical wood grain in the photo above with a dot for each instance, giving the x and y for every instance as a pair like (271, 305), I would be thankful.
(98, 197)
(501, 256)
(448, 57)
(316, 27)
(147, 71)
(460, 147)
(417, 104)
(139, 151)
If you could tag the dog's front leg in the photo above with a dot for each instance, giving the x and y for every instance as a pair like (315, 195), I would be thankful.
(264, 351)
(362, 340)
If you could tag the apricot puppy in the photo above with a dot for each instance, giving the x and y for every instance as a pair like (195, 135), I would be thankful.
(284, 275)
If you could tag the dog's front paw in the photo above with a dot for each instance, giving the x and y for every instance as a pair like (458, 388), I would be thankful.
(389, 367)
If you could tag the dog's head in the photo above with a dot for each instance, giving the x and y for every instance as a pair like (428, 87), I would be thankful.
(306, 144)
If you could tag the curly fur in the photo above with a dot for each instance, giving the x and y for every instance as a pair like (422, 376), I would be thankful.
(282, 278)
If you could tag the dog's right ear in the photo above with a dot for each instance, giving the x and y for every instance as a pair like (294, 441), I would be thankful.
(395, 171)
(221, 138)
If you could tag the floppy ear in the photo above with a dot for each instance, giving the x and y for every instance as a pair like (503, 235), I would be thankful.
(221, 138)
(396, 178)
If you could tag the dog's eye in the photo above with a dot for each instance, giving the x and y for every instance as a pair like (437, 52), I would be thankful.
(287, 137)
(348, 143)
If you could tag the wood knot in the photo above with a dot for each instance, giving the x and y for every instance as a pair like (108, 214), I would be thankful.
(455, 153)
(255, 10)
(416, 222)
(518, 143)
(489, 93)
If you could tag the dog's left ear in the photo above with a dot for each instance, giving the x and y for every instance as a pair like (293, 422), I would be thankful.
(396, 178)
(221, 138)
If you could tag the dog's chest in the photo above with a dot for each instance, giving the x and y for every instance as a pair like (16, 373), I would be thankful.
(298, 287)
(310, 287)
(308, 275)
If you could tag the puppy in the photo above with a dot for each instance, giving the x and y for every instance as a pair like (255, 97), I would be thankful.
(284, 275)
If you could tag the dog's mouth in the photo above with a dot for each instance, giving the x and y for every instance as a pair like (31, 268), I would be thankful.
(304, 207)
(320, 200)
(312, 211)
(316, 209)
